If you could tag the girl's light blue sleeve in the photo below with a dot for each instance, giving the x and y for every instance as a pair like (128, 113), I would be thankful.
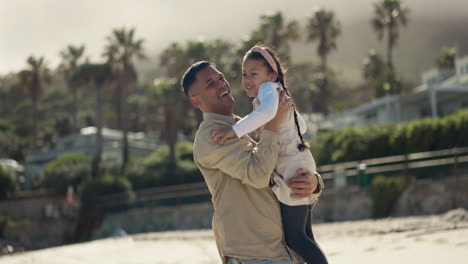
(268, 97)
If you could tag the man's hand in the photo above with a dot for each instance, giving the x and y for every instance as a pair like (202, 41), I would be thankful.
(304, 184)
(221, 134)
(284, 105)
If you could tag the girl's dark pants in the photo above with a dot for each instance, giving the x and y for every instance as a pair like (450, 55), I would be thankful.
(298, 233)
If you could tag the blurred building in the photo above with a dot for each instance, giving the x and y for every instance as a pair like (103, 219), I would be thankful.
(442, 92)
(84, 142)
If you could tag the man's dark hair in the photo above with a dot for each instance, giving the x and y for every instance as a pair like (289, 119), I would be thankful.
(189, 76)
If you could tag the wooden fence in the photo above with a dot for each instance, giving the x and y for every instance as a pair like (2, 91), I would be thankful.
(454, 157)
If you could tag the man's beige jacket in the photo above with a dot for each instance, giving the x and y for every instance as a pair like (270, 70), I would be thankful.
(246, 220)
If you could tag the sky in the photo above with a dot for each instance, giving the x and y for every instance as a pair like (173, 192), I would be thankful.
(45, 27)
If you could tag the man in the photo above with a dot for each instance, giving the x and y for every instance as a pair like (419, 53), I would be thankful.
(246, 220)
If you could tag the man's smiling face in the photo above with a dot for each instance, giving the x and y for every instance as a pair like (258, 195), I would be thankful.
(211, 93)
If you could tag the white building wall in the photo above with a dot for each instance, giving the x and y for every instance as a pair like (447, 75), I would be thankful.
(382, 115)
(462, 66)
(410, 112)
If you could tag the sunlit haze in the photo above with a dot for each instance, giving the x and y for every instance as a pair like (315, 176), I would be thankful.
(45, 27)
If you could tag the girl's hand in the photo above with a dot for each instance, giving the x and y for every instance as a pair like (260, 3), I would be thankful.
(221, 134)
(284, 106)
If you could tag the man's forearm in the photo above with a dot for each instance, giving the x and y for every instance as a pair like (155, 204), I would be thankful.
(238, 158)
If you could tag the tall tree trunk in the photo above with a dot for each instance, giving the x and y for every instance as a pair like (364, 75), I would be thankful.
(324, 85)
(171, 131)
(125, 151)
(75, 108)
(34, 123)
(98, 152)
(90, 217)
(390, 45)
(118, 105)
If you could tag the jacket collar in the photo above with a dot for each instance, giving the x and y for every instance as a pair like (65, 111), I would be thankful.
(217, 117)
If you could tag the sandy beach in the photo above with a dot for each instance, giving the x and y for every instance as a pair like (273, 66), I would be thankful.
(410, 240)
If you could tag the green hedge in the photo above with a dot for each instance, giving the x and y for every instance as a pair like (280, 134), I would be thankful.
(157, 170)
(3, 225)
(91, 189)
(11, 146)
(357, 143)
(7, 182)
(385, 192)
(68, 169)
(153, 171)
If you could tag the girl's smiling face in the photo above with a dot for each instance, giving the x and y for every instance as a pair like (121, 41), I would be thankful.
(254, 73)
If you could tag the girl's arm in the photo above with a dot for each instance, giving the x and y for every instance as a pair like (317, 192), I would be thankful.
(221, 134)
(268, 97)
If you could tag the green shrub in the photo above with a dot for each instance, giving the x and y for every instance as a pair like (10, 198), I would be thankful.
(322, 147)
(142, 178)
(91, 189)
(384, 193)
(7, 182)
(68, 169)
(157, 170)
(10, 145)
(358, 143)
(377, 141)
(460, 120)
(416, 136)
(184, 150)
(184, 171)
(4, 220)
(353, 143)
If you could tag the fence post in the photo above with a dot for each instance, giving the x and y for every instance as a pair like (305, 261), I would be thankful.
(405, 172)
(339, 177)
(455, 174)
(363, 179)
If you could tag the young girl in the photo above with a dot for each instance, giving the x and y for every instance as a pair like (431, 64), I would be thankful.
(262, 75)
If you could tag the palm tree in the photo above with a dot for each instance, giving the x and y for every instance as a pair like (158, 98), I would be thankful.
(174, 60)
(138, 118)
(165, 93)
(122, 49)
(373, 65)
(196, 51)
(115, 87)
(277, 33)
(446, 58)
(373, 72)
(389, 16)
(32, 79)
(274, 32)
(223, 54)
(71, 57)
(324, 28)
(97, 76)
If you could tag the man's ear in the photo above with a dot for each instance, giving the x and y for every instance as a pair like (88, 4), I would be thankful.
(194, 101)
